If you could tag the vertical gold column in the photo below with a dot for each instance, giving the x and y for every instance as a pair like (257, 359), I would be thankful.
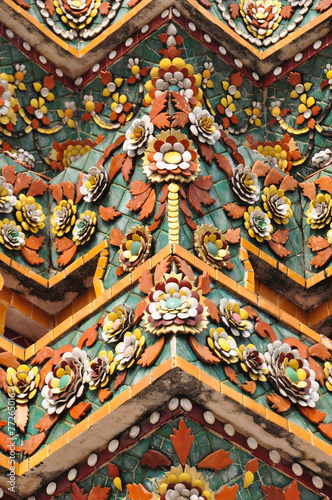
(173, 213)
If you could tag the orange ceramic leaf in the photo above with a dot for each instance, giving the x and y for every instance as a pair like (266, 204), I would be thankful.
(104, 394)
(260, 168)
(309, 190)
(33, 443)
(116, 237)
(202, 352)
(206, 152)
(324, 5)
(292, 492)
(185, 268)
(145, 282)
(89, 337)
(297, 344)
(234, 10)
(99, 493)
(224, 164)
(104, 8)
(314, 415)
(154, 459)
(114, 145)
(182, 441)
(34, 243)
(62, 244)
(198, 195)
(161, 211)
(116, 165)
(273, 177)
(278, 403)
(278, 249)
(288, 183)
(79, 411)
(325, 184)
(78, 494)
(192, 224)
(159, 104)
(151, 354)
(236, 79)
(148, 206)
(3, 423)
(180, 102)
(56, 191)
(139, 187)
(263, 329)
(286, 12)
(212, 308)
(67, 256)
(3, 381)
(68, 189)
(22, 181)
(140, 308)
(8, 172)
(320, 351)
(8, 359)
(326, 430)
(37, 187)
(108, 213)
(5, 442)
(79, 195)
(44, 371)
(249, 387)
(139, 199)
(113, 471)
(317, 243)
(280, 236)
(162, 268)
(49, 5)
(57, 356)
(120, 380)
(180, 119)
(21, 417)
(234, 211)
(251, 313)
(322, 258)
(231, 374)
(163, 120)
(217, 460)
(31, 256)
(205, 3)
(294, 78)
(138, 492)
(272, 493)
(232, 236)
(252, 465)
(227, 493)
(204, 283)
(47, 421)
(313, 365)
(127, 168)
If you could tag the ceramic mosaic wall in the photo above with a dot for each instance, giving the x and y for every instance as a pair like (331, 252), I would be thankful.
(165, 247)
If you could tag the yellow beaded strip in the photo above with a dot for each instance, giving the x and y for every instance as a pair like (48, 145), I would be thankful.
(173, 213)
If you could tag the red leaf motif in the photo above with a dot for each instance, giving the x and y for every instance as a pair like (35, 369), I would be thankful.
(263, 329)
(47, 421)
(120, 380)
(113, 471)
(140, 308)
(31, 256)
(280, 236)
(37, 187)
(217, 460)
(212, 308)
(286, 12)
(146, 282)
(273, 177)
(206, 151)
(104, 394)
(116, 237)
(224, 164)
(159, 104)
(162, 120)
(138, 492)
(314, 415)
(325, 184)
(317, 243)
(89, 337)
(249, 387)
(67, 256)
(278, 403)
(294, 78)
(292, 492)
(185, 268)
(182, 441)
(127, 168)
(155, 459)
(260, 168)
(148, 206)
(104, 8)
(8, 172)
(79, 411)
(162, 268)
(234, 10)
(180, 102)
(326, 430)
(22, 181)
(202, 352)
(21, 416)
(152, 353)
(322, 258)
(273, 493)
(252, 465)
(50, 7)
(116, 165)
(108, 213)
(278, 249)
(33, 443)
(234, 211)
(68, 189)
(232, 236)
(288, 183)
(227, 493)
(309, 190)
(78, 494)
(180, 119)
(204, 283)
(324, 5)
(56, 192)
(99, 493)
(34, 243)
(44, 354)
(320, 351)
(230, 374)
(62, 244)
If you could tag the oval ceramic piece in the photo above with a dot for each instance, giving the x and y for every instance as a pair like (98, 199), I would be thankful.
(113, 445)
(155, 417)
(92, 460)
(51, 488)
(209, 417)
(173, 404)
(134, 431)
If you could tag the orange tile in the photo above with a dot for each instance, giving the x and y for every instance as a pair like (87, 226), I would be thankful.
(62, 440)
(99, 273)
(120, 399)
(38, 457)
(318, 314)
(268, 294)
(5, 259)
(296, 277)
(98, 288)
(81, 301)
(246, 294)
(29, 352)
(4, 461)
(186, 366)
(298, 431)
(19, 267)
(243, 254)
(282, 268)
(82, 314)
(249, 246)
(226, 281)
(160, 370)
(231, 393)
(99, 414)
(141, 385)
(315, 279)
(63, 315)
(308, 332)
(18, 352)
(21, 304)
(78, 429)
(57, 278)
(254, 406)
(102, 299)
(204, 266)
(257, 287)
(38, 279)
(276, 419)
(321, 445)
(208, 380)
(3, 313)
(40, 316)
(286, 305)
(23, 467)
(6, 295)
(290, 320)
(269, 307)
(302, 315)
(61, 329)
(74, 265)
(120, 286)
(270, 260)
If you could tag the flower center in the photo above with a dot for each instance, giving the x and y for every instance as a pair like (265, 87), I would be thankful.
(173, 303)
(212, 248)
(135, 248)
(173, 157)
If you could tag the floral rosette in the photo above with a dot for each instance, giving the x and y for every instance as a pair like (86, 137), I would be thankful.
(182, 483)
(63, 218)
(29, 213)
(258, 224)
(261, 17)
(171, 157)
(138, 135)
(100, 370)
(277, 205)
(117, 322)
(84, 227)
(135, 248)
(64, 154)
(203, 126)
(223, 345)
(66, 382)
(7, 197)
(175, 305)
(320, 211)
(253, 362)
(11, 235)
(245, 184)
(22, 383)
(173, 75)
(8, 102)
(129, 350)
(291, 374)
(211, 246)
(234, 318)
(328, 375)
(94, 184)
